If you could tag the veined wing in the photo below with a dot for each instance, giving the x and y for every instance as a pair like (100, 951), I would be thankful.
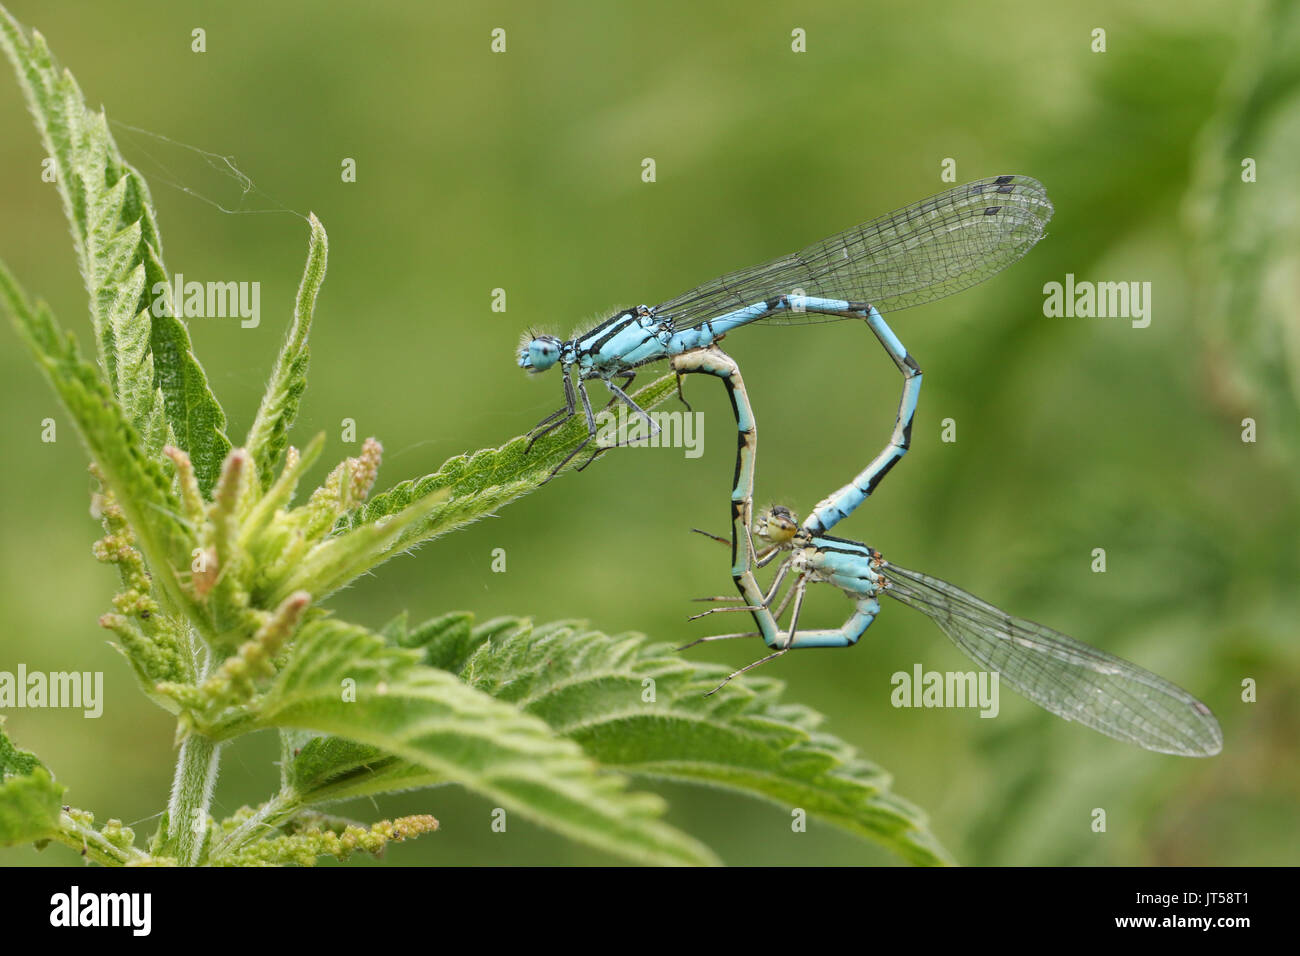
(1065, 676)
(914, 255)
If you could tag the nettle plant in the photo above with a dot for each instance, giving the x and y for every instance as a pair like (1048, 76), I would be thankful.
(226, 565)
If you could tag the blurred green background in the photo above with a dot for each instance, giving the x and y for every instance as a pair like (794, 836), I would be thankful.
(522, 171)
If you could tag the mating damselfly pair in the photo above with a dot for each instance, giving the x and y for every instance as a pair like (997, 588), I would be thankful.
(915, 255)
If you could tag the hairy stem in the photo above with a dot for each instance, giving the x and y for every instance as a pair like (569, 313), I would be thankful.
(187, 810)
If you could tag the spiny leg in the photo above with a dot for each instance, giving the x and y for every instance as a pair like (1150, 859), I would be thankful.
(628, 377)
(800, 587)
(636, 409)
(777, 613)
(755, 609)
(723, 610)
(780, 608)
(681, 397)
(761, 558)
(591, 434)
(540, 428)
(709, 534)
(573, 454)
(616, 395)
(782, 649)
(594, 455)
(748, 667)
(586, 406)
(549, 423)
(767, 598)
(719, 637)
(841, 503)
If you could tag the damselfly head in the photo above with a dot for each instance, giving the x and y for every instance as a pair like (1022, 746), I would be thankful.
(778, 525)
(539, 352)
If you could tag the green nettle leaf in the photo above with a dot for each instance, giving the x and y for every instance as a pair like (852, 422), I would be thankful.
(30, 800)
(329, 769)
(141, 400)
(344, 680)
(137, 482)
(495, 475)
(635, 706)
(143, 349)
(267, 438)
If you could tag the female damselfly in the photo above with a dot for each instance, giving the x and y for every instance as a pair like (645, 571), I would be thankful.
(1062, 675)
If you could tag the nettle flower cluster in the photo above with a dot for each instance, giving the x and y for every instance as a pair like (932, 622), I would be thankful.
(255, 563)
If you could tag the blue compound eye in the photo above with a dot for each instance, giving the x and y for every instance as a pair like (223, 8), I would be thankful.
(543, 353)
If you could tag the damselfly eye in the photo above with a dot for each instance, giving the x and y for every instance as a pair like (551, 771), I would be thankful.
(777, 525)
(542, 353)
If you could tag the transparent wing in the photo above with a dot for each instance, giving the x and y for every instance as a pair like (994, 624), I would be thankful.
(917, 254)
(1063, 675)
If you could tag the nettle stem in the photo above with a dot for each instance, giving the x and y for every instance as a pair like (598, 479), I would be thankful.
(187, 810)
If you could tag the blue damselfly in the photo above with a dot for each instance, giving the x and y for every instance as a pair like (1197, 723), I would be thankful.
(920, 253)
